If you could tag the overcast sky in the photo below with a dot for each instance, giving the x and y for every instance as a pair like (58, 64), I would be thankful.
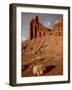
(45, 19)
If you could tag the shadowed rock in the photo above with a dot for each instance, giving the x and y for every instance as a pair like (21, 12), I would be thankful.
(49, 68)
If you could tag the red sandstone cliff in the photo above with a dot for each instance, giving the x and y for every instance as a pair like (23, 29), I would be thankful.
(44, 47)
(39, 30)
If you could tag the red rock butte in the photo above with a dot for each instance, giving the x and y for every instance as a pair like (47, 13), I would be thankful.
(45, 47)
(39, 30)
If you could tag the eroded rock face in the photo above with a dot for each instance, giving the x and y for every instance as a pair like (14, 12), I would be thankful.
(58, 27)
(44, 47)
(39, 30)
(39, 70)
(42, 38)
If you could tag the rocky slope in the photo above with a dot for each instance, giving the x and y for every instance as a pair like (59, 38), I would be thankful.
(47, 50)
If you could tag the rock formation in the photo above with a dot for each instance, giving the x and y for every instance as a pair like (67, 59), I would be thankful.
(38, 70)
(58, 27)
(45, 47)
(39, 30)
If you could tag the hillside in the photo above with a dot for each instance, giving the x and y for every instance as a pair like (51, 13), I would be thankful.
(47, 51)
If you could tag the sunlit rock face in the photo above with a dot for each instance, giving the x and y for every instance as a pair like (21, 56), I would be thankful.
(39, 30)
(38, 70)
(58, 27)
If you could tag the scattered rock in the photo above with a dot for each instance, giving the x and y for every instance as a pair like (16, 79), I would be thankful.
(38, 70)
